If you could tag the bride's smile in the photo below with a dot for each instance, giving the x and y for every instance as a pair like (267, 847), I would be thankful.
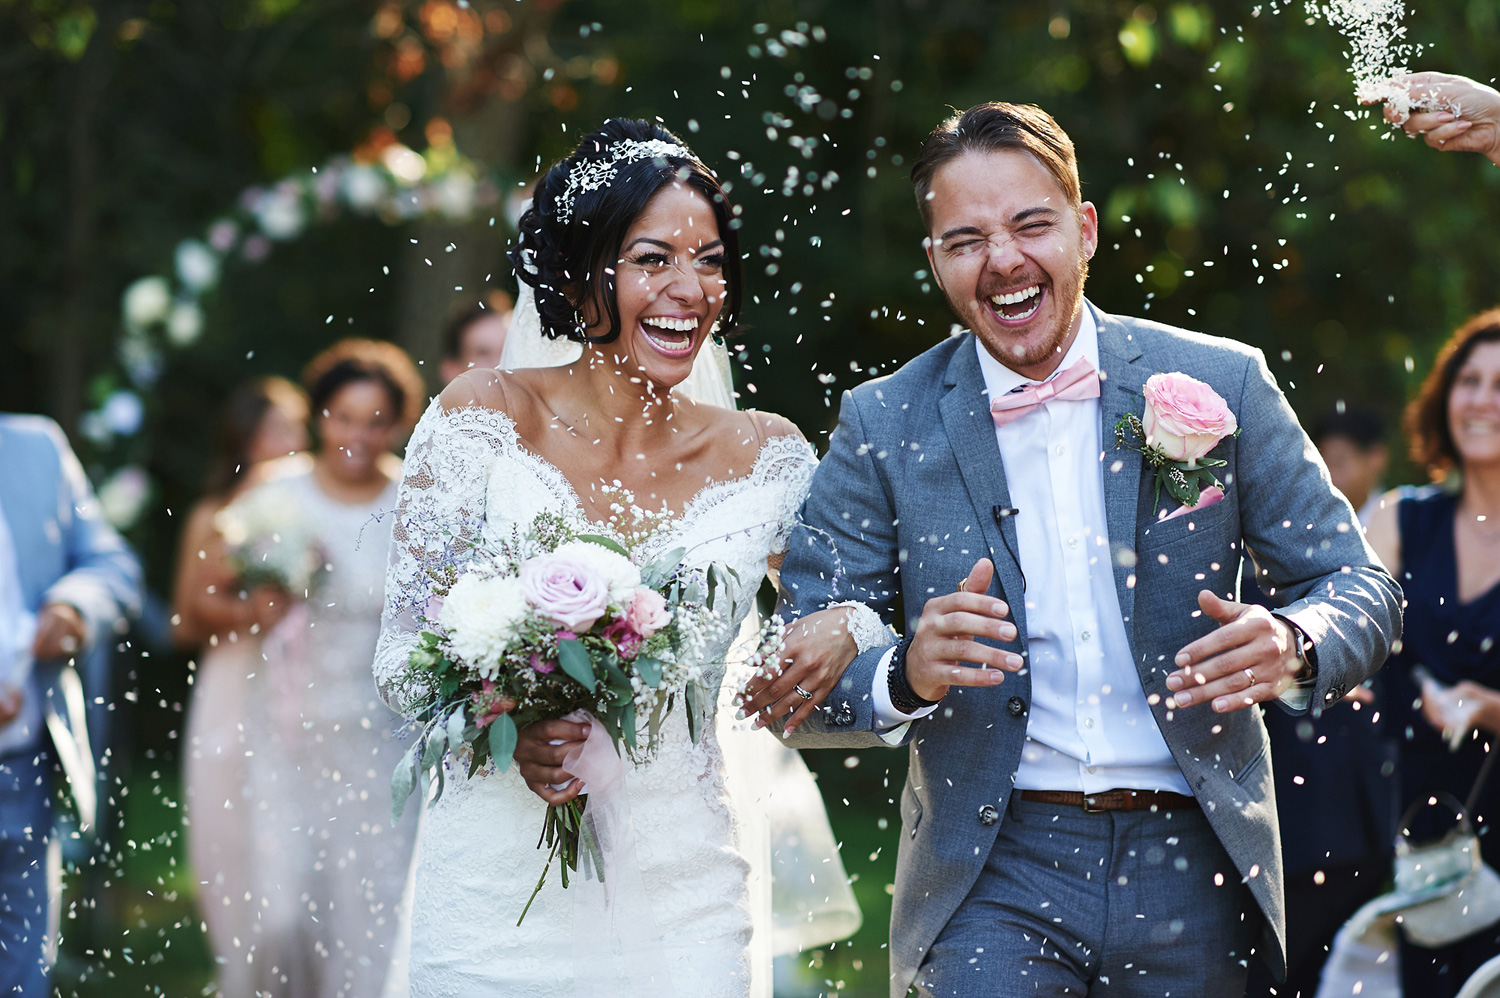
(669, 285)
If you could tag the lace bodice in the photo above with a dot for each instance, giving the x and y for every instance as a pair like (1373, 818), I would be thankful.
(468, 472)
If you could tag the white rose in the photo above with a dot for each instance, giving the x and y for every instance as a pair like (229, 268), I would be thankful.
(615, 569)
(481, 616)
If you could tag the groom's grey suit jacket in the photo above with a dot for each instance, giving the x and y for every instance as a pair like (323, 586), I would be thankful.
(907, 499)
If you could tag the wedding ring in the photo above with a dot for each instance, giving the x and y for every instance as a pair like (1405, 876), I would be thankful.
(961, 583)
(1250, 676)
(801, 692)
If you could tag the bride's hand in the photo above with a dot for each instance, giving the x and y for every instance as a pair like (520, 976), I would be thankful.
(540, 750)
(818, 649)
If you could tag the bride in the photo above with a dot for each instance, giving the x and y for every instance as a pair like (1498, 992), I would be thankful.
(631, 252)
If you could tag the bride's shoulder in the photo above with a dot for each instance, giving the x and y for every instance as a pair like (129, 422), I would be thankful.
(749, 425)
(477, 388)
(770, 426)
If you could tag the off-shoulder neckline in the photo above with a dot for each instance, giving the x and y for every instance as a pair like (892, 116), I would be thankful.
(772, 448)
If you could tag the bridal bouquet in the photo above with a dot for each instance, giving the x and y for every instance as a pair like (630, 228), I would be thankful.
(548, 623)
(269, 542)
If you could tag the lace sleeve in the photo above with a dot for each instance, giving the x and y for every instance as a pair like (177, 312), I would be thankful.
(790, 462)
(439, 507)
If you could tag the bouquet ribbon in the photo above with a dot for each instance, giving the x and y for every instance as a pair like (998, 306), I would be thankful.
(615, 936)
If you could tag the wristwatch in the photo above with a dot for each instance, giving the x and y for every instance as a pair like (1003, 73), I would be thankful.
(1307, 654)
(903, 697)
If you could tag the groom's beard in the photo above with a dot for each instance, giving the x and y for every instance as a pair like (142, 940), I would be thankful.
(1019, 349)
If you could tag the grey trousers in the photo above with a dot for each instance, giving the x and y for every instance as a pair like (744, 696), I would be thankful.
(1120, 903)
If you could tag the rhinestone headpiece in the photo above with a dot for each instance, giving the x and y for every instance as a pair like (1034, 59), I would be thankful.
(594, 174)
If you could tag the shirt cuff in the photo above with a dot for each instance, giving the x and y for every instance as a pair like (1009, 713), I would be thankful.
(890, 723)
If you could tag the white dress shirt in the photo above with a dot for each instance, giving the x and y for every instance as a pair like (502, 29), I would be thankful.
(1089, 727)
(17, 629)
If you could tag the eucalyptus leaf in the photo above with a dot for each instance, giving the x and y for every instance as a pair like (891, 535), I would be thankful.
(650, 670)
(690, 701)
(456, 727)
(403, 782)
(574, 659)
(627, 723)
(502, 735)
(611, 667)
(604, 542)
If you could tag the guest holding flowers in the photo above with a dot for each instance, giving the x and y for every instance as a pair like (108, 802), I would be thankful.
(221, 622)
(1443, 545)
(328, 868)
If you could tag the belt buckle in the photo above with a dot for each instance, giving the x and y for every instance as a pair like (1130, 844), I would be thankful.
(1088, 805)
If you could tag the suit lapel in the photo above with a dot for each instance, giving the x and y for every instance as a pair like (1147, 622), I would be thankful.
(971, 434)
(1120, 394)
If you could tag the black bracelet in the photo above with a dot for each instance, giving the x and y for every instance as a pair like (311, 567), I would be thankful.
(903, 697)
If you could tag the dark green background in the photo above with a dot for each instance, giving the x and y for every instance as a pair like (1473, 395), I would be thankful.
(1225, 137)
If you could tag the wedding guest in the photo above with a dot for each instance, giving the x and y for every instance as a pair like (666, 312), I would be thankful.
(262, 424)
(328, 869)
(66, 580)
(1443, 544)
(1351, 441)
(1334, 773)
(475, 337)
(1451, 113)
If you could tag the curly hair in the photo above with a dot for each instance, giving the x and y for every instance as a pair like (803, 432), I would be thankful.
(1427, 426)
(565, 259)
(351, 360)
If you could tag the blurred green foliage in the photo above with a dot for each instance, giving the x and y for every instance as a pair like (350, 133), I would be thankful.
(1241, 192)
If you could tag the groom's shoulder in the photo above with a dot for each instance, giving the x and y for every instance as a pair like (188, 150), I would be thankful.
(1185, 346)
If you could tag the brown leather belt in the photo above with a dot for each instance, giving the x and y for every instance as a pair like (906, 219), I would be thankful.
(1114, 800)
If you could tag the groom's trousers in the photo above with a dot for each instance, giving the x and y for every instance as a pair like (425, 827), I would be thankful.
(1117, 903)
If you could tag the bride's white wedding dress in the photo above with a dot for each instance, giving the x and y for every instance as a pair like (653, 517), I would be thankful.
(477, 858)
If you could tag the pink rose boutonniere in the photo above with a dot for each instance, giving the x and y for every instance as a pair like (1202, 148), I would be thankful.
(1184, 421)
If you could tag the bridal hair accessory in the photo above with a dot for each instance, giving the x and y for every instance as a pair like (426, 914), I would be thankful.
(1184, 421)
(597, 173)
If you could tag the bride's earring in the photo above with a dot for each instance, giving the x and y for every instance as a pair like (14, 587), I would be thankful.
(718, 337)
(580, 328)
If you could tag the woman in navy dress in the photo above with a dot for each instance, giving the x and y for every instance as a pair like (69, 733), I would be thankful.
(1443, 544)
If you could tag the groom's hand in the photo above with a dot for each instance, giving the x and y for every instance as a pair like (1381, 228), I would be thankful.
(945, 639)
(1251, 658)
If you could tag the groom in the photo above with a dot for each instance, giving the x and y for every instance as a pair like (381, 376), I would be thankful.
(1090, 808)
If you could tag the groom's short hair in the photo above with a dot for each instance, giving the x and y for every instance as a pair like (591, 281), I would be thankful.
(993, 127)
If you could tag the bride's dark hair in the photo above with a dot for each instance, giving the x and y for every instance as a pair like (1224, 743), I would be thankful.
(576, 253)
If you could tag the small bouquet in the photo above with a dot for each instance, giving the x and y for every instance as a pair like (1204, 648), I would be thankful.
(1184, 421)
(268, 542)
(546, 623)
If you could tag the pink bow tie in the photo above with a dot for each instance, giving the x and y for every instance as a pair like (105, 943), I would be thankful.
(1075, 384)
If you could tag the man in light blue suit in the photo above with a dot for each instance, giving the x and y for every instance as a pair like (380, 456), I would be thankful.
(66, 580)
(1089, 806)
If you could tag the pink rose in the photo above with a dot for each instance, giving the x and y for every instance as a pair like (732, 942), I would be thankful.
(564, 588)
(1185, 418)
(648, 612)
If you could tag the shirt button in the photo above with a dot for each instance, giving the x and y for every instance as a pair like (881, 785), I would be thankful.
(1086, 635)
(1072, 542)
(1088, 722)
(1060, 450)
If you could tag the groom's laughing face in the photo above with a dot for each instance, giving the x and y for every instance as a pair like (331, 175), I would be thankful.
(1011, 255)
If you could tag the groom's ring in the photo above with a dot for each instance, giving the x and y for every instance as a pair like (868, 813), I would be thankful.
(1250, 676)
(801, 692)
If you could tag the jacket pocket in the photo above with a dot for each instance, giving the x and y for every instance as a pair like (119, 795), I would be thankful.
(1253, 765)
(911, 811)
